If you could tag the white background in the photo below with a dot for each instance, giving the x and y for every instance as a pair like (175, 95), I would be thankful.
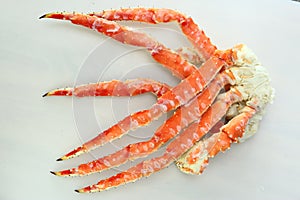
(39, 55)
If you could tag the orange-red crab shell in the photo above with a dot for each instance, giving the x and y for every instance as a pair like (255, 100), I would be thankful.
(215, 84)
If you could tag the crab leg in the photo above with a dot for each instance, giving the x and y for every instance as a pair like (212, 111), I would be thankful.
(196, 159)
(168, 58)
(180, 119)
(177, 96)
(128, 88)
(174, 150)
(113, 88)
(153, 15)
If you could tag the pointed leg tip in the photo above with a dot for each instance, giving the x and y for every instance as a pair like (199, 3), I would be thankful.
(43, 16)
(64, 16)
(89, 189)
(66, 173)
(59, 92)
(46, 94)
(79, 191)
(55, 173)
(62, 158)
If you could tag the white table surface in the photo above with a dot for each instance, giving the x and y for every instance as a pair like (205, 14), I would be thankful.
(39, 55)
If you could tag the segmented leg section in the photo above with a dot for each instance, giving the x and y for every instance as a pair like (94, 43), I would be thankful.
(174, 150)
(196, 159)
(125, 88)
(177, 96)
(153, 15)
(114, 88)
(182, 117)
(168, 58)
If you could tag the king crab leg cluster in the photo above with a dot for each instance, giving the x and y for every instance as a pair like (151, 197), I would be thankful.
(230, 84)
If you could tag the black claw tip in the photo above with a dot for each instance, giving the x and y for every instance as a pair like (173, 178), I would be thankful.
(76, 191)
(46, 94)
(43, 16)
(59, 159)
(52, 172)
